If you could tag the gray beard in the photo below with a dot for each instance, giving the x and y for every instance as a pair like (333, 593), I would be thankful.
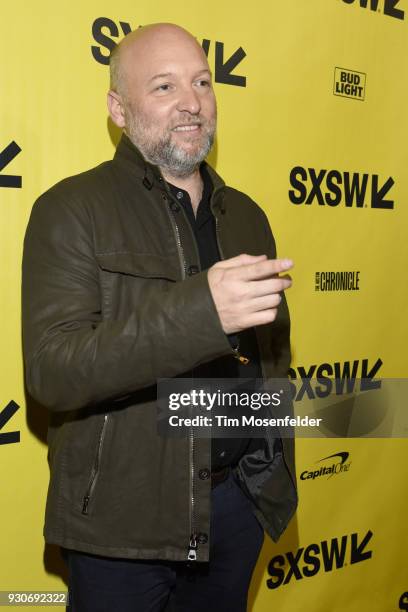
(167, 155)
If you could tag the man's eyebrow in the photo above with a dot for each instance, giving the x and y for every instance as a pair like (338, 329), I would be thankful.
(160, 76)
(164, 75)
(207, 70)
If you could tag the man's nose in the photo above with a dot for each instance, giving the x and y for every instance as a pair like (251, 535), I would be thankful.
(189, 100)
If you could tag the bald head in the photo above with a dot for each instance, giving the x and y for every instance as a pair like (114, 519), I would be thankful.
(146, 43)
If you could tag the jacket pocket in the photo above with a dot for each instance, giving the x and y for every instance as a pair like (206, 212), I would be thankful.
(128, 279)
(96, 466)
(145, 265)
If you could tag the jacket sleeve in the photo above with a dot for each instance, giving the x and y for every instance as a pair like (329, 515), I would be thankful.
(73, 357)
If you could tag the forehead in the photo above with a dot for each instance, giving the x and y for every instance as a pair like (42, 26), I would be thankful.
(163, 54)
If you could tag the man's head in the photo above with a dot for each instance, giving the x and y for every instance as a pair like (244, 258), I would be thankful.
(161, 94)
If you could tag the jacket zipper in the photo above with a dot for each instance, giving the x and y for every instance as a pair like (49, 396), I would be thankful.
(179, 246)
(217, 236)
(95, 468)
(192, 544)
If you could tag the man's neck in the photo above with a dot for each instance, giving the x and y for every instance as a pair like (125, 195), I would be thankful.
(193, 184)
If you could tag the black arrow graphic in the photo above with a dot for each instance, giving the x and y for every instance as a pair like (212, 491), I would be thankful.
(367, 377)
(126, 29)
(377, 196)
(223, 70)
(5, 415)
(357, 550)
(206, 45)
(6, 156)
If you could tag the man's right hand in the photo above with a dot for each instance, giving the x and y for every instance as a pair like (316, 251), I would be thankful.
(246, 290)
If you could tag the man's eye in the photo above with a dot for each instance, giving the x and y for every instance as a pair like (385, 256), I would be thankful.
(204, 83)
(163, 87)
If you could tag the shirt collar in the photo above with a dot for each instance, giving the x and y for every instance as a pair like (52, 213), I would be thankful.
(204, 208)
(127, 153)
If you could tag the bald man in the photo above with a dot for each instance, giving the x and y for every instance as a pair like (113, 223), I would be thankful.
(149, 266)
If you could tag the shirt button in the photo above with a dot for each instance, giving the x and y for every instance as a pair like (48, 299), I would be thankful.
(192, 270)
(174, 206)
(179, 195)
(204, 474)
(202, 538)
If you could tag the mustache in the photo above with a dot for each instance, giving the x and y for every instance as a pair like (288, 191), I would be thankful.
(186, 118)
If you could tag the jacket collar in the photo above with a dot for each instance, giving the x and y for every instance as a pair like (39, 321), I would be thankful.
(150, 175)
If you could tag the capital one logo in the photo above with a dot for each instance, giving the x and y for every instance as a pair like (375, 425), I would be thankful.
(388, 7)
(338, 464)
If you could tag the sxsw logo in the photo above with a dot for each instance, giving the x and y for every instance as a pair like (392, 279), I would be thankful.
(334, 187)
(104, 31)
(347, 376)
(337, 281)
(338, 464)
(349, 84)
(387, 7)
(325, 556)
(8, 437)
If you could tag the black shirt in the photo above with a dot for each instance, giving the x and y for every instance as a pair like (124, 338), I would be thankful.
(224, 451)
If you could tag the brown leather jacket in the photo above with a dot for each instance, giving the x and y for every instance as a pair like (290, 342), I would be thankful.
(111, 302)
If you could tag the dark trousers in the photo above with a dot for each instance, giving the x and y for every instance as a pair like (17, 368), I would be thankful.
(105, 584)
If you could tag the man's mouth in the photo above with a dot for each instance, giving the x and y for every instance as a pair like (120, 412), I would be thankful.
(187, 128)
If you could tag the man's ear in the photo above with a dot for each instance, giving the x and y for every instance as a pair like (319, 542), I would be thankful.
(116, 109)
